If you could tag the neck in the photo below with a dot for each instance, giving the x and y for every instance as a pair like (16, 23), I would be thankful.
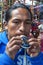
(8, 35)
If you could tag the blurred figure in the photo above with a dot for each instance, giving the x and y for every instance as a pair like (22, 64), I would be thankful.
(16, 1)
(40, 27)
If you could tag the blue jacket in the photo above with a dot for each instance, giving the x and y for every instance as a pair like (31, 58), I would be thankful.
(19, 58)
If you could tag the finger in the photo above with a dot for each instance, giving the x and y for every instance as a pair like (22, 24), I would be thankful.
(15, 42)
(14, 38)
(33, 43)
(31, 35)
(32, 39)
(14, 48)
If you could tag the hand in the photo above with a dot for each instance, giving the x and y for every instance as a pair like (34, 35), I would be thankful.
(34, 46)
(13, 46)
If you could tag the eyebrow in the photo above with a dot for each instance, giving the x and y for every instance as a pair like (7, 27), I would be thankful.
(21, 19)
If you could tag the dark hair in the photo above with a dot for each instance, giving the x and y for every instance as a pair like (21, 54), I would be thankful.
(15, 6)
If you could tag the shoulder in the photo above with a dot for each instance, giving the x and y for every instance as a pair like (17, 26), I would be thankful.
(41, 55)
(3, 37)
(2, 34)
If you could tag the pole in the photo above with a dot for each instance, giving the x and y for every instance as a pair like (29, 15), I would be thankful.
(9, 2)
(32, 9)
(32, 2)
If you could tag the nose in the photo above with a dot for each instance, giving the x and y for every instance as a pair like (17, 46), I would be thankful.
(22, 27)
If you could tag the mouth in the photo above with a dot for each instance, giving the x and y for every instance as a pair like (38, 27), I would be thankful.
(20, 35)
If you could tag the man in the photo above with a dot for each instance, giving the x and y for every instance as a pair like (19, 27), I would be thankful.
(19, 24)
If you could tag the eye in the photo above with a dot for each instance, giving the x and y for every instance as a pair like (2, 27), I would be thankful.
(16, 21)
(28, 21)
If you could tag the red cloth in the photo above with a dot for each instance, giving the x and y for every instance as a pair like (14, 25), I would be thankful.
(42, 42)
(42, 45)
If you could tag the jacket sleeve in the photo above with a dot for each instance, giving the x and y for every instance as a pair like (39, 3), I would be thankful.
(6, 60)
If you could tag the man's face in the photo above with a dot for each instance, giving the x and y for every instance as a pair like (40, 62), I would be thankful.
(20, 22)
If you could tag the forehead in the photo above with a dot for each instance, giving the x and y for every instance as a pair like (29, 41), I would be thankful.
(21, 13)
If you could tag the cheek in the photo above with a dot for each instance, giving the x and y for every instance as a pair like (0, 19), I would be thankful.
(28, 27)
(12, 28)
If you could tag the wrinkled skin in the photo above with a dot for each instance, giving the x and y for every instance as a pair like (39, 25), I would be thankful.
(19, 24)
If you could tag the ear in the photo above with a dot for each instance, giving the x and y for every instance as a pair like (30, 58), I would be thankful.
(5, 25)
